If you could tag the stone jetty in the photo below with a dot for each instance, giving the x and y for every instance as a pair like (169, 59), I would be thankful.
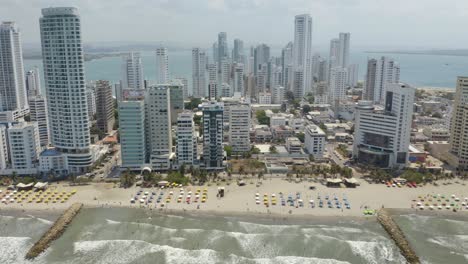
(392, 228)
(55, 231)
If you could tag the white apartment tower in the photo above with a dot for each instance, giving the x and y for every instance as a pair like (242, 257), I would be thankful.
(63, 61)
(380, 73)
(198, 73)
(132, 72)
(338, 81)
(24, 145)
(213, 152)
(302, 55)
(382, 134)
(343, 55)
(158, 126)
(239, 127)
(186, 148)
(38, 113)
(33, 82)
(162, 66)
(459, 126)
(12, 82)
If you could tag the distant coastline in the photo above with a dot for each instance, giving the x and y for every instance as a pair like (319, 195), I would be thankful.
(460, 52)
(87, 56)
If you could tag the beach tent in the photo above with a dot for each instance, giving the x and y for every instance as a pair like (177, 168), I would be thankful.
(22, 186)
(41, 185)
(334, 182)
(351, 183)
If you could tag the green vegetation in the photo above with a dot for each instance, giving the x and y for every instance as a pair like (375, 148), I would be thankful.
(437, 115)
(306, 109)
(194, 102)
(310, 98)
(262, 118)
(127, 179)
(177, 177)
(343, 150)
(301, 136)
(254, 150)
(228, 150)
(273, 150)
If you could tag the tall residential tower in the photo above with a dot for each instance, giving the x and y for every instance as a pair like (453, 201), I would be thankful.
(63, 61)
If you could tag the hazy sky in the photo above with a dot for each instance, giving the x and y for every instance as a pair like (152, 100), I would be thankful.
(372, 23)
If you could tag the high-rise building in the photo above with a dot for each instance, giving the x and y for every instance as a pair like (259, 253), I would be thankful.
(24, 145)
(261, 78)
(239, 127)
(91, 102)
(158, 126)
(104, 106)
(132, 131)
(322, 71)
(458, 126)
(176, 101)
(287, 65)
(238, 51)
(334, 52)
(261, 57)
(33, 82)
(132, 72)
(162, 66)
(198, 73)
(264, 98)
(238, 78)
(277, 94)
(12, 82)
(213, 92)
(338, 81)
(184, 82)
(63, 62)
(380, 73)
(226, 90)
(353, 73)
(382, 134)
(343, 55)
(314, 141)
(186, 148)
(223, 51)
(38, 113)
(213, 152)
(302, 55)
(4, 155)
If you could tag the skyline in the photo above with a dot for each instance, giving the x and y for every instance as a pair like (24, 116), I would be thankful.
(247, 20)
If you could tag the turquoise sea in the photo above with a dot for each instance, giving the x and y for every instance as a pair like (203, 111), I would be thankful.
(417, 70)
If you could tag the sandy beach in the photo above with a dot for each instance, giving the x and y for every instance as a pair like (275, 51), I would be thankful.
(241, 199)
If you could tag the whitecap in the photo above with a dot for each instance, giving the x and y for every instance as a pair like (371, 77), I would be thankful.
(13, 249)
(375, 251)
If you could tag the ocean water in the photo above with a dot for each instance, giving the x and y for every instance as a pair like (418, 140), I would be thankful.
(417, 70)
(120, 235)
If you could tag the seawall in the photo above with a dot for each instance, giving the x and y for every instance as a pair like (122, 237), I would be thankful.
(392, 228)
(54, 232)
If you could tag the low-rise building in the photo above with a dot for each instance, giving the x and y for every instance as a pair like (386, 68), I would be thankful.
(437, 133)
(293, 145)
(314, 140)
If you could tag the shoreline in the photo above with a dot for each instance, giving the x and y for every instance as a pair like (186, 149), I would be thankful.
(52, 214)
